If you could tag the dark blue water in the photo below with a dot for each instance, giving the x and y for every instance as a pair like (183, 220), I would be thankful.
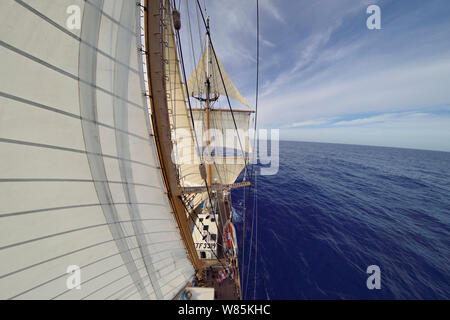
(333, 210)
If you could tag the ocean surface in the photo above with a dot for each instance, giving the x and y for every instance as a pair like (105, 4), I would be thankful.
(333, 210)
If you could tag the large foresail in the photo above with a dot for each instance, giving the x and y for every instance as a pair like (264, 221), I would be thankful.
(80, 184)
(196, 82)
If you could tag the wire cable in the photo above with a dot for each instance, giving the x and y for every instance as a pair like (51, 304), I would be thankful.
(252, 175)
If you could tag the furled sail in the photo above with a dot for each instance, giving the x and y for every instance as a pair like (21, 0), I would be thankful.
(196, 82)
(80, 183)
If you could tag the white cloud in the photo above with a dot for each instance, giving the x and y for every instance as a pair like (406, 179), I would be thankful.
(430, 132)
(308, 123)
(382, 118)
(368, 120)
(411, 86)
(270, 7)
(268, 43)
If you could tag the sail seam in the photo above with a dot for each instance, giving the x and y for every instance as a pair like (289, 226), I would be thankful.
(81, 267)
(79, 229)
(5, 215)
(74, 180)
(63, 72)
(75, 251)
(49, 146)
(66, 113)
(112, 20)
(59, 27)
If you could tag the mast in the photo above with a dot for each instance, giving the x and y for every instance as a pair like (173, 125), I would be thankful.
(208, 108)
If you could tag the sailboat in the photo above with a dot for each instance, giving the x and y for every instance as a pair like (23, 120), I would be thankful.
(93, 205)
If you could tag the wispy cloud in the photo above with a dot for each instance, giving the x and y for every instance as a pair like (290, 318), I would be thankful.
(407, 87)
(268, 43)
(416, 131)
(369, 120)
(271, 8)
(322, 68)
(382, 118)
(308, 123)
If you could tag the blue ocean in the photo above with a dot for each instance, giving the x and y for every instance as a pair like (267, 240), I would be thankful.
(333, 210)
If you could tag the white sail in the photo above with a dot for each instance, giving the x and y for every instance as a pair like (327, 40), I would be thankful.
(196, 83)
(229, 143)
(79, 180)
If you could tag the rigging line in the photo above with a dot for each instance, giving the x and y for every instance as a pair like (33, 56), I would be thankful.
(221, 217)
(249, 256)
(172, 89)
(202, 115)
(192, 120)
(203, 225)
(192, 48)
(200, 34)
(218, 244)
(256, 243)
(187, 92)
(219, 178)
(215, 123)
(213, 210)
(252, 174)
(190, 107)
(245, 206)
(206, 9)
(255, 205)
(226, 92)
(254, 213)
(257, 75)
(190, 216)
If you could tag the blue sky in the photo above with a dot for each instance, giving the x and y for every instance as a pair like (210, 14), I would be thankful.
(325, 77)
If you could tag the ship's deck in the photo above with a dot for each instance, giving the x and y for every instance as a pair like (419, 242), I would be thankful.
(229, 289)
